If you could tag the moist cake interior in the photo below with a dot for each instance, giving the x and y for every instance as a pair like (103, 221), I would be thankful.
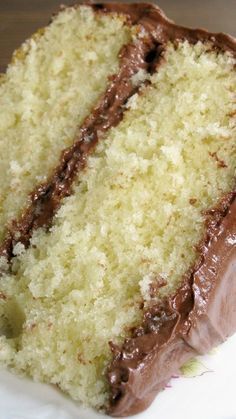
(129, 232)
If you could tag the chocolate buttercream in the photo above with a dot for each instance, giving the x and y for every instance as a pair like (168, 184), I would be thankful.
(202, 313)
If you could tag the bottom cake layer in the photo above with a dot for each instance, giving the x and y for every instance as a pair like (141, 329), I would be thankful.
(126, 237)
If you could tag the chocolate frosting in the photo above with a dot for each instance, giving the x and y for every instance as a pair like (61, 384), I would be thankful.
(202, 313)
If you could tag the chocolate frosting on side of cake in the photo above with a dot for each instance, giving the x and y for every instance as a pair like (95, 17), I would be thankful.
(199, 316)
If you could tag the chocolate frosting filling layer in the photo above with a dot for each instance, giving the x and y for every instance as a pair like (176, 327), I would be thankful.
(202, 313)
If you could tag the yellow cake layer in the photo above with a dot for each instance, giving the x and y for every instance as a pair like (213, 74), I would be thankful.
(136, 215)
(53, 83)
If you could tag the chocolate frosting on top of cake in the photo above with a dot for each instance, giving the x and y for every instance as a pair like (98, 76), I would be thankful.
(163, 30)
(202, 313)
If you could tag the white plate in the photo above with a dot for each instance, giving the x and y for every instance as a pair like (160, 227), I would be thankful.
(209, 395)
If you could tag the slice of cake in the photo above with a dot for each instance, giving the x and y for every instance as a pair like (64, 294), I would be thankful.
(121, 265)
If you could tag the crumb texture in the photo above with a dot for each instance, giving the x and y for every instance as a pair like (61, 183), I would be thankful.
(54, 81)
(133, 222)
